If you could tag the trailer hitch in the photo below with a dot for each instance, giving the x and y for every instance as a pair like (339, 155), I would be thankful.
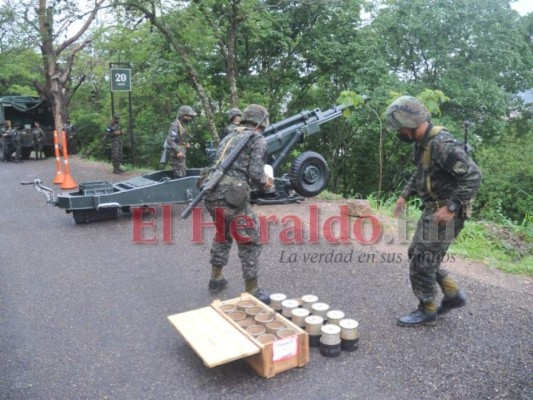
(48, 193)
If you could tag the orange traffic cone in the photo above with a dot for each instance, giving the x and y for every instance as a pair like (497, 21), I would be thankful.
(68, 181)
(59, 174)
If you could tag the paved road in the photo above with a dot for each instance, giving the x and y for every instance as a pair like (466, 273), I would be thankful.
(83, 314)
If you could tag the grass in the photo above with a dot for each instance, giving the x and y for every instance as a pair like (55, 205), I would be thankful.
(326, 195)
(496, 246)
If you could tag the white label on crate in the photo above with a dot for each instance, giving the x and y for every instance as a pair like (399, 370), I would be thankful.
(285, 348)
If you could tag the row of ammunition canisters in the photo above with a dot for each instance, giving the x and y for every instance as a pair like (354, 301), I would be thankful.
(328, 329)
(257, 322)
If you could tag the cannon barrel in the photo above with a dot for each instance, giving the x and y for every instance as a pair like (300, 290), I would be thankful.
(282, 136)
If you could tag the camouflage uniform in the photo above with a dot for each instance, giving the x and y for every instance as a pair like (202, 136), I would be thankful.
(72, 146)
(7, 142)
(454, 178)
(446, 180)
(234, 118)
(249, 166)
(177, 143)
(17, 143)
(114, 133)
(228, 129)
(38, 136)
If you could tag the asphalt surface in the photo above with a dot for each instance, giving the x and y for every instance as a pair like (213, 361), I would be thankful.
(83, 312)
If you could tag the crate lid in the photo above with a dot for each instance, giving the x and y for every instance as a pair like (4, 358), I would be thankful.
(213, 337)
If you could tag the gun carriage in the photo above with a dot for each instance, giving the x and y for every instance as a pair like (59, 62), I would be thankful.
(308, 176)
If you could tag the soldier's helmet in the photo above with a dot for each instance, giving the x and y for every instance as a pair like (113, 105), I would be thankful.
(185, 110)
(256, 114)
(7, 123)
(233, 113)
(406, 112)
(116, 117)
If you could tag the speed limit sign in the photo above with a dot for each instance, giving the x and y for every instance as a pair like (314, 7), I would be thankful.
(120, 79)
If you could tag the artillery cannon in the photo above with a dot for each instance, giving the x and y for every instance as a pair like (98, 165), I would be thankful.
(309, 173)
(308, 176)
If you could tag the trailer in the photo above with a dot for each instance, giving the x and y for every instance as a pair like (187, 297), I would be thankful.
(101, 200)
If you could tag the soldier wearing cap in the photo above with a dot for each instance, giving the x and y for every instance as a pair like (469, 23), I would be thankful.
(446, 179)
(229, 201)
(234, 119)
(177, 141)
(114, 133)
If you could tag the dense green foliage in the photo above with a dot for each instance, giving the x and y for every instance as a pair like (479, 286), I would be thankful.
(295, 55)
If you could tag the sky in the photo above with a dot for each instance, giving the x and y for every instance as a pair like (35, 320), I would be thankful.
(523, 6)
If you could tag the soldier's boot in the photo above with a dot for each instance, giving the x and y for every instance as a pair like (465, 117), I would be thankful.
(453, 296)
(251, 287)
(450, 303)
(117, 170)
(217, 281)
(424, 315)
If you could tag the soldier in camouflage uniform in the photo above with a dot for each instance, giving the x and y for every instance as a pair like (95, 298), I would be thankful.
(446, 179)
(177, 141)
(248, 167)
(114, 133)
(13, 141)
(8, 141)
(38, 137)
(234, 118)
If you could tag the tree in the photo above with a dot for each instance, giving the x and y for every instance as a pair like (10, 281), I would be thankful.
(172, 31)
(48, 27)
(473, 50)
(224, 19)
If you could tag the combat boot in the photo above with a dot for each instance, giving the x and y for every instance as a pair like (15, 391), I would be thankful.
(425, 314)
(117, 171)
(216, 285)
(450, 303)
(260, 295)
(250, 286)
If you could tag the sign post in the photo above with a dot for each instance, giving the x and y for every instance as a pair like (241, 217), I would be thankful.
(120, 78)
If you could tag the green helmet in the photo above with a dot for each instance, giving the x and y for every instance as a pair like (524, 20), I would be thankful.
(406, 112)
(186, 110)
(233, 113)
(256, 114)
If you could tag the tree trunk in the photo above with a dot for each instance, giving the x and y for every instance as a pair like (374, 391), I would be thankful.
(56, 78)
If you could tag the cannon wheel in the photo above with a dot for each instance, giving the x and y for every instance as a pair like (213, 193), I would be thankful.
(309, 174)
(93, 215)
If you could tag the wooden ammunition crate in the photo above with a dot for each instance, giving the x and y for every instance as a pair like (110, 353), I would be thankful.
(218, 339)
